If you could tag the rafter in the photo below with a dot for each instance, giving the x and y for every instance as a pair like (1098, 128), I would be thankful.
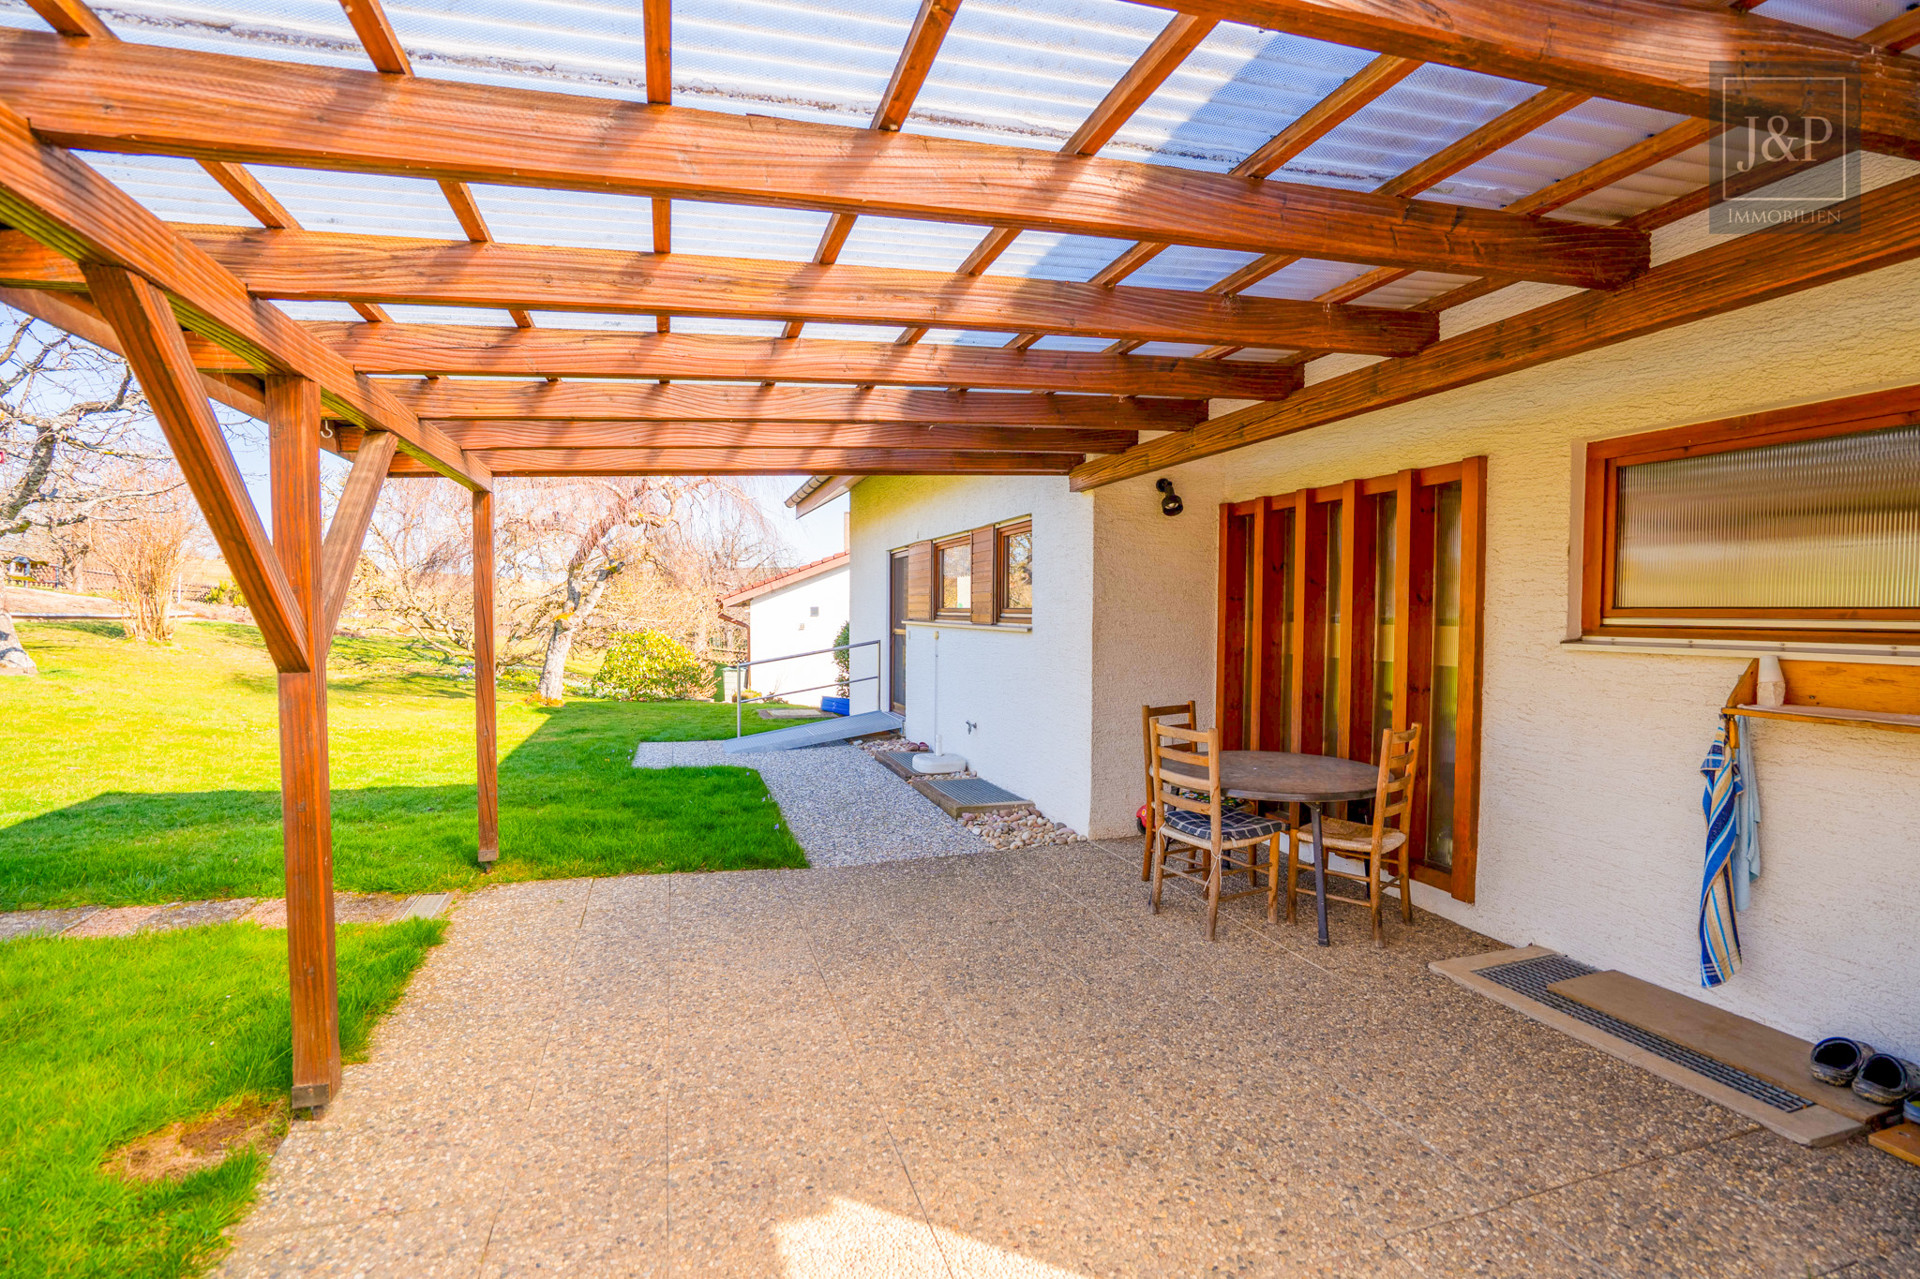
(68, 207)
(145, 99)
(1735, 273)
(723, 461)
(315, 265)
(644, 401)
(1651, 53)
(455, 350)
(658, 18)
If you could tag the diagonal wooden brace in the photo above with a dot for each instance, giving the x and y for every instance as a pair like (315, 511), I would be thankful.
(349, 528)
(150, 338)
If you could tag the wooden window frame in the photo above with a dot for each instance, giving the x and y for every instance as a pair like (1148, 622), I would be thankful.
(1004, 613)
(1599, 523)
(941, 613)
(1252, 577)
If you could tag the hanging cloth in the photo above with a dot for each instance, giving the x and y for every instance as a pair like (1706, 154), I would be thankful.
(1746, 848)
(1719, 933)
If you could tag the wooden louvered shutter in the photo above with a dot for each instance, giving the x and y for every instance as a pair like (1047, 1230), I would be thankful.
(985, 576)
(920, 582)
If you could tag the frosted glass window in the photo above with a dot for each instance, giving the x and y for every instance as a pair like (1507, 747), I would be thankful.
(1829, 523)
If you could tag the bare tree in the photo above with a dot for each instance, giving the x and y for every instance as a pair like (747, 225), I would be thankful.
(414, 569)
(145, 544)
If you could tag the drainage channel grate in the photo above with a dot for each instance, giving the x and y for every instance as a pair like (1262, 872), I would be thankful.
(1531, 977)
(973, 790)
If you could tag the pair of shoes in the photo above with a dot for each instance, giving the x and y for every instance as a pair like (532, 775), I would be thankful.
(1877, 1076)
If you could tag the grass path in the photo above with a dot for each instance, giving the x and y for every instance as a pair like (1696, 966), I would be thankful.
(106, 1040)
(140, 774)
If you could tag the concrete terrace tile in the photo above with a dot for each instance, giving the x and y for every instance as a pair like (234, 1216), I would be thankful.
(410, 1245)
(1508, 1244)
(636, 1253)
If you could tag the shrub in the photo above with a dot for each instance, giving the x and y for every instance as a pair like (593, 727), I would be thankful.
(649, 666)
(843, 658)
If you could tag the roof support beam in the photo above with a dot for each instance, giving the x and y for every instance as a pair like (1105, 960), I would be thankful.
(142, 99)
(348, 531)
(315, 265)
(68, 207)
(648, 402)
(1653, 53)
(725, 461)
(1732, 274)
(471, 350)
(522, 433)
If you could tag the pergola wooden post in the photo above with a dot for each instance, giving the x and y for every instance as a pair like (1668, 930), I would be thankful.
(485, 727)
(293, 415)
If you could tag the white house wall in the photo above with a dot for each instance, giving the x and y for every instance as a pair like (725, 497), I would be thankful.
(1590, 822)
(1015, 703)
(782, 622)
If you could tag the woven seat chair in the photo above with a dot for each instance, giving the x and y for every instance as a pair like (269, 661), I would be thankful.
(1189, 809)
(1149, 715)
(1372, 845)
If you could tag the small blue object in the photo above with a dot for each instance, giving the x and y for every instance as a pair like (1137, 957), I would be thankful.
(837, 705)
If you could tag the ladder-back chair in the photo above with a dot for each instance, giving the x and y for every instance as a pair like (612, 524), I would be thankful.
(1392, 803)
(1149, 715)
(1189, 808)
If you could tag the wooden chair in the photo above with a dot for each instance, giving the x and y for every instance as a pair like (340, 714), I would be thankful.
(1189, 808)
(1392, 801)
(1148, 716)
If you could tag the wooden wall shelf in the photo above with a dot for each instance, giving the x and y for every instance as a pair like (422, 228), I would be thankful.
(1878, 696)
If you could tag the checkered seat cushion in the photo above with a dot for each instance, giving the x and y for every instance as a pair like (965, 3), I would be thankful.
(1235, 826)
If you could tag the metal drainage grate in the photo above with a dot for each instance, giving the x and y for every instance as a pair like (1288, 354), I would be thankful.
(973, 790)
(1531, 977)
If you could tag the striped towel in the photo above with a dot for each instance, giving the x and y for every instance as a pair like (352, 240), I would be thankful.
(1719, 933)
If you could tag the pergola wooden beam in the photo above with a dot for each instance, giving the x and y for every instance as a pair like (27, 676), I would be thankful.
(66, 206)
(1729, 275)
(522, 434)
(720, 461)
(462, 350)
(317, 265)
(340, 554)
(152, 100)
(682, 402)
(1652, 53)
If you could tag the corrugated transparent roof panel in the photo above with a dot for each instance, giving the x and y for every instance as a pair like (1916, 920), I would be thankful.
(565, 219)
(593, 320)
(790, 58)
(175, 189)
(482, 315)
(746, 231)
(1029, 72)
(967, 337)
(362, 203)
(1415, 289)
(1050, 255)
(919, 246)
(311, 31)
(726, 326)
(1306, 279)
(1183, 267)
(1068, 342)
(1183, 349)
(1434, 107)
(321, 311)
(1644, 190)
(854, 332)
(1239, 88)
(1838, 17)
(1260, 354)
(1585, 135)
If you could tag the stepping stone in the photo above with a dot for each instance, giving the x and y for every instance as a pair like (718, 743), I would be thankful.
(41, 923)
(116, 921)
(425, 906)
(196, 914)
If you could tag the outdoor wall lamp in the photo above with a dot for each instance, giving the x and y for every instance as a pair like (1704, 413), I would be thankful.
(1170, 505)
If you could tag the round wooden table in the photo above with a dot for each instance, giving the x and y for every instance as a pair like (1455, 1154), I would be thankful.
(1282, 777)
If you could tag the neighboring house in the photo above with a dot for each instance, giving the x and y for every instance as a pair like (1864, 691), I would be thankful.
(1585, 591)
(798, 611)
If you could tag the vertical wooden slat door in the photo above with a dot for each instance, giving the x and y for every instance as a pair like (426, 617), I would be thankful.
(293, 418)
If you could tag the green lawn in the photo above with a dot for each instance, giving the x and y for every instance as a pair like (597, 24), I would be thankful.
(104, 1040)
(139, 774)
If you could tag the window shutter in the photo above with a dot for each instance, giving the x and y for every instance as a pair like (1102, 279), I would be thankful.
(986, 578)
(920, 582)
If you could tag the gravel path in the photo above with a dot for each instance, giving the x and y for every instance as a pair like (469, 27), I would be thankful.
(845, 809)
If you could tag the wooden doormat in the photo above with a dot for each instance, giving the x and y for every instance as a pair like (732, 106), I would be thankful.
(1726, 1037)
(1522, 980)
(1902, 1141)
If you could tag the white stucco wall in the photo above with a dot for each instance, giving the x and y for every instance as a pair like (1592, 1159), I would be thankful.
(783, 621)
(1590, 829)
(1026, 694)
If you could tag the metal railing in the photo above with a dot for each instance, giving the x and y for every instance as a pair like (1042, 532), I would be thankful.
(740, 680)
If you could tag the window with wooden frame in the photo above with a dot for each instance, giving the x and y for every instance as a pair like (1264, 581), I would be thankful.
(1354, 608)
(1802, 523)
(983, 577)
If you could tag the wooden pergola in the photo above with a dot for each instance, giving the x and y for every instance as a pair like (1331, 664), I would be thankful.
(193, 307)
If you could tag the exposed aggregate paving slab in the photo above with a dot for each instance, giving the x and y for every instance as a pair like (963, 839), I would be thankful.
(1003, 1065)
(843, 807)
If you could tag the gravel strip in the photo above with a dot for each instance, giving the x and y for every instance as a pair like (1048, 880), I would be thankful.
(843, 807)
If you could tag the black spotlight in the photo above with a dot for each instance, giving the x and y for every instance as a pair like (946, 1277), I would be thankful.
(1171, 504)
